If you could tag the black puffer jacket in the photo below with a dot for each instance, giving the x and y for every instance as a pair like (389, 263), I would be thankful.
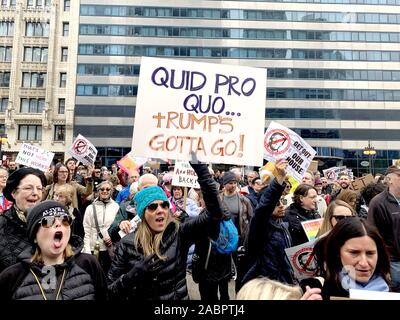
(170, 281)
(83, 279)
(13, 238)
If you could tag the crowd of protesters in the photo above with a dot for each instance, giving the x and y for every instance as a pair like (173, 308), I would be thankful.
(106, 234)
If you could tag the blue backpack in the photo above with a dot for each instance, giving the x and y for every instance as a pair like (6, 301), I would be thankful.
(228, 238)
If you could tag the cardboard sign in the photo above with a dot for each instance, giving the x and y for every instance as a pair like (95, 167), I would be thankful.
(332, 173)
(360, 183)
(281, 142)
(311, 228)
(129, 164)
(313, 166)
(302, 260)
(214, 110)
(34, 157)
(83, 150)
(184, 175)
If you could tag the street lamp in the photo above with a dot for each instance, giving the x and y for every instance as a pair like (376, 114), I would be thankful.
(370, 152)
(3, 138)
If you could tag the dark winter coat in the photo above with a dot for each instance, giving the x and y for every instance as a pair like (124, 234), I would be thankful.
(13, 238)
(170, 282)
(294, 215)
(268, 239)
(83, 278)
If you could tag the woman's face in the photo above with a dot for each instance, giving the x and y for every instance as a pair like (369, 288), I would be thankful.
(28, 193)
(177, 193)
(53, 235)
(105, 191)
(309, 202)
(60, 197)
(359, 257)
(279, 211)
(71, 165)
(62, 174)
(156, 215)
(340, 213)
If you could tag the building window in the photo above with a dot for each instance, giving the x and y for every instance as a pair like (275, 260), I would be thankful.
(5, 79)
(63, 80)
(64, 54)
(30, 132)
(32, 105)
(35, 54)
(5, 54)
(38, 29)
(33, 80)
(6, 28)
(67, 5)
(61, 106)
(59, 133)
(30, 3)
(3, 104)
(65, 29)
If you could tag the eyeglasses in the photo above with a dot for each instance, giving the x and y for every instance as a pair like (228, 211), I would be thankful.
(105, 189)
(4, 177)
(49, 221)
(154, 206)
(65, 172)
(282, 201)
(341, 217)
(30, 188)
(97, 172)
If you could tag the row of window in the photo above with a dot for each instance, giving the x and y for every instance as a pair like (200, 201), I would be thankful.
(5, 79)
(38, 79)
(272, 93)
(32, 105)
(333, 94)
(11, 3)
(382, 2)
(234, 33)
(35, 54)
(5, 54)
(42, 29)
(333, 114)
(252, 53)
(240, 14)
(273, 73)
(34, 132)
(38, 3)
(6, 28)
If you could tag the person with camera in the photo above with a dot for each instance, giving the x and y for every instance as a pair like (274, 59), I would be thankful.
(268, 235)
(150, 263)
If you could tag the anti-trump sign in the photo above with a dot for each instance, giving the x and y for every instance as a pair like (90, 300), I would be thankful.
(83, 150)
(216, 111)
(184, 175)
(35, 157)
(282, 143)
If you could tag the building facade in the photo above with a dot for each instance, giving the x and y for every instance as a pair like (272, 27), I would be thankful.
(332, 66)
(37, 73)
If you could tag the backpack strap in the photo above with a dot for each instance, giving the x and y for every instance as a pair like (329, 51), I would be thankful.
(99, 234)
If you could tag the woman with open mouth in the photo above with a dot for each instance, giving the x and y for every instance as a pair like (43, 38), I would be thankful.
(54, 267)
(150, 263)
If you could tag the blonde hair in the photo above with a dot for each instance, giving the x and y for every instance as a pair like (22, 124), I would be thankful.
(67, 191)
(267, 289)
(149, 242)
(347, 196)
(37, 256)
(327, 222)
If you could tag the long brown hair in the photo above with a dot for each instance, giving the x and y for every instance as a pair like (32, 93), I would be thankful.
(37, 256)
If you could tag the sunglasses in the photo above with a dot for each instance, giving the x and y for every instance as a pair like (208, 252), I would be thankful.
(49, 221)
(105, 189)
(154, 206)
(282, 201)
(341, 217)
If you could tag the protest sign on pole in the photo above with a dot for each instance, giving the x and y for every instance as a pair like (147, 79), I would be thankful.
(283, 143)
(184, 175)
(35, 157)
(302, 260)
(83, 150)
(214, 110)
(360, 183)
(311, 227)
(129, 163)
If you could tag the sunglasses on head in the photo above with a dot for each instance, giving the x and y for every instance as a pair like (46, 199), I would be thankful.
(341, 217)
(154, 206)
(48, 221)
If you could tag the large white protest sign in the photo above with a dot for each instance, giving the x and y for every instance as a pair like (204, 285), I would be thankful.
(373, 295)
(214, 110)
(302, 260)
(184, 175)
(83, 150)
(34, 157)
(282, 143)
(332, 173)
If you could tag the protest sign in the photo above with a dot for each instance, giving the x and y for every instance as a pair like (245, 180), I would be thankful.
(373, 295)
(34, 157)
(184, 175)
(281, 142)
(302, 260)
(83, 150)
(332, 173)
(360, 183)
(184, 106)
(396, 162)
(313, 166)
(311, 227)
(129, 164)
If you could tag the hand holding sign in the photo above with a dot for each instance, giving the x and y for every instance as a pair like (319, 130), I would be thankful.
(280, 168)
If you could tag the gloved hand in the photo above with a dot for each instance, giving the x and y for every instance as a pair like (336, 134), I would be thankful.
(143, 270)
(201, 169)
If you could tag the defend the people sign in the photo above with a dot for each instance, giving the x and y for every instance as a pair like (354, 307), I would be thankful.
(34, 157)
(184, 175)
(83, 150)
(282, 143)
(214, 110)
